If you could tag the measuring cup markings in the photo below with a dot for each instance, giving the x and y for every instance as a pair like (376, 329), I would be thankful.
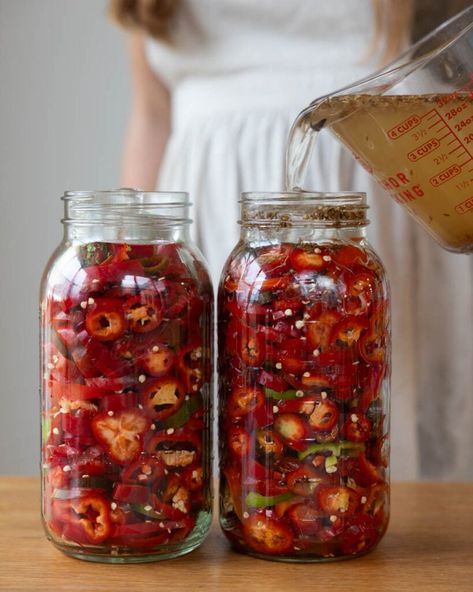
(417, 144)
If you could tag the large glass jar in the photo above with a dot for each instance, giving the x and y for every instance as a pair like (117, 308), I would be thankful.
(126, 368)
(304, 368)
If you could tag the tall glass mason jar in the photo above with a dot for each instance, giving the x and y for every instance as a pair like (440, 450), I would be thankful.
(126, 373)
(304, 370)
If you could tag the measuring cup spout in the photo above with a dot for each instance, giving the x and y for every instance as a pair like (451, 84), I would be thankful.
(411, 126)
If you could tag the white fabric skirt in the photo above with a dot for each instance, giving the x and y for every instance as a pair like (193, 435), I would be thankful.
(228, 137)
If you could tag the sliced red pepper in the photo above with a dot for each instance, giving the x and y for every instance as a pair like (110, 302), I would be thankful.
(359, 535)
(140, 542)
(252, 348)
(146, 470)
(90, 462)
(121, 433)
(76, 392)
(349, 256)
(163, 397)
(130, 494)
(155, 264)
(292, 428)
(84, 362)
(274, 259)
(324, 416)
(372, 344)
(243, 401)
(310, 259)
(60, 368)
(191, 367)
(272, 381)
(312, 380)
(362, 282)
(143, 312)
(306, 518)
(98, 355)
(105, 320)
(232, 477)
(158, 360)
(338, 501)
(129, 532)
(291, 355)
(247, 312)
(265, 535)
(119, 401)
(113, 272)
(68, 336)
(360, 469)
(179, 449)
(357, 427)
(288, 302)
(140, 251)
(112, 384)
(87, 519)
(57, 478)
(348, 331)
(193, 478)
(166, 510)
(304, 481)
(77, 423)
(239, 442)
(369, 473)
(272, 284)
(269, 444)
(320, 326)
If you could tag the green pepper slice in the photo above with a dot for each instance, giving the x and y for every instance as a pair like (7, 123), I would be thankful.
(336, 448)
(256, 500)
(150, 513)
(185, 412)
(283, 396)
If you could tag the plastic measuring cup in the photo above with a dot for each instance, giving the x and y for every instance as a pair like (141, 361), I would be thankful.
(411, 126)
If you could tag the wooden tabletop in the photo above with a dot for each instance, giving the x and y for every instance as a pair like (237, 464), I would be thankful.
(428, 546)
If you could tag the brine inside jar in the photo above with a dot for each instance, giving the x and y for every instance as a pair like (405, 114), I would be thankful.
(418, 147)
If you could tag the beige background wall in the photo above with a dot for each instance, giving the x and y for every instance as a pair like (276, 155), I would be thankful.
(63, 104)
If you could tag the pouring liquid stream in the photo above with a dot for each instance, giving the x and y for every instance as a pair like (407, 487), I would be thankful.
(418, 147)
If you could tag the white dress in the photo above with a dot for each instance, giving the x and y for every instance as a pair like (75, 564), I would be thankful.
(239, 71)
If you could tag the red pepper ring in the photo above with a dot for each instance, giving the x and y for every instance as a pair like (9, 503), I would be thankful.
(105, 320)
(310, 259)
(179, 449)
(163, 397)
(191, 367)
(269, 536)
(240, 443)
(143, 313)
(158, 360)
(338, 501)
(86, 519)
(244, 401)
(349, 330)
(121, 433)
(145, 471)
(372, 344)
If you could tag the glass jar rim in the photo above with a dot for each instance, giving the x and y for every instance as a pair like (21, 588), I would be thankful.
(126, 206)
(285, 209)
(301, 197)
(113, 197)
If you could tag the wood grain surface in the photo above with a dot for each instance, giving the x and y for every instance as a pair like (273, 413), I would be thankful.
(428, 546)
